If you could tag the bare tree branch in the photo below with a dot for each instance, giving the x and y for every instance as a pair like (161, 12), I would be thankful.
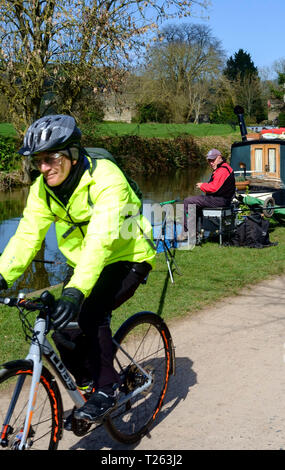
(51, 50)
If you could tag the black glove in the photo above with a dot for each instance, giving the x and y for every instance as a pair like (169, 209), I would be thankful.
(68, 306)
(3, 283)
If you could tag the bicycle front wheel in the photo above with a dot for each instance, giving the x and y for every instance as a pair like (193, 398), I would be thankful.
(46, 420)
(147, 341)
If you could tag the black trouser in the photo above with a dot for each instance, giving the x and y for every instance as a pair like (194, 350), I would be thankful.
(93, 354)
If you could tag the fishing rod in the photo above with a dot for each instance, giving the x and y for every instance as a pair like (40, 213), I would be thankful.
(180, 200)
(46, 261)
(253, 207)
(170, 202)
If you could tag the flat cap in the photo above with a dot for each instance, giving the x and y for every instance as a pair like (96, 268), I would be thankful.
(212, 154)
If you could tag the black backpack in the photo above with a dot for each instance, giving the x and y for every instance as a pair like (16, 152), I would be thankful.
(252, 232)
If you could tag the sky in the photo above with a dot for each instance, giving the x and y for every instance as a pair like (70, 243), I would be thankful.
(256, 26)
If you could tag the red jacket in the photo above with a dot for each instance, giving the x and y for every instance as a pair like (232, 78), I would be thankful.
(221, 183)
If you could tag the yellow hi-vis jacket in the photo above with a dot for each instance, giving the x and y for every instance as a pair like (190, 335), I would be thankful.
(90, 237)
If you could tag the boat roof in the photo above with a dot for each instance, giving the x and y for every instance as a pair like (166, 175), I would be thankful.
(258, 141)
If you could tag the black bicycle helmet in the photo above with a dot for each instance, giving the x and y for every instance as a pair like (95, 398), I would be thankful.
(54, 132)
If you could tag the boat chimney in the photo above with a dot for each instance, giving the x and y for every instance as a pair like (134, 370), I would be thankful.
(238, 110)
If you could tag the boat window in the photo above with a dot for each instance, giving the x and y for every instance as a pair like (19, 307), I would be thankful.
(258, 159)
(265, 160)
(272, 160)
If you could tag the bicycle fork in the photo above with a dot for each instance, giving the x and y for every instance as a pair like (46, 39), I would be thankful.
(33, 356)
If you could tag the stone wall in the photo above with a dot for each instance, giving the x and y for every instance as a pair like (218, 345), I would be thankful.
(114, 114)
(119, 107)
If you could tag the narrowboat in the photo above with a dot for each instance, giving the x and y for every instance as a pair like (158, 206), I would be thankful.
(259, 160)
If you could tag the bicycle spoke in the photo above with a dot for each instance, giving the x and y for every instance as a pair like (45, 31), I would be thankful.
(145, 343)
(45, 426)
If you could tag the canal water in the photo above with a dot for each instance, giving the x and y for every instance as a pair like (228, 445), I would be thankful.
(156, 189)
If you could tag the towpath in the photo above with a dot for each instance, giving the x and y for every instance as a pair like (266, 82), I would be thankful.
(229, 388)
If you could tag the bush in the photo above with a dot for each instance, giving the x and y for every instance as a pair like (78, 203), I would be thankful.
(281, 119)
(9, 158)
(89, 117)
(223, 114)
(150, 155)
(206, 143)
(153, 112)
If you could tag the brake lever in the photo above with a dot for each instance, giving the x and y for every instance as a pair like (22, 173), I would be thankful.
(48, 301)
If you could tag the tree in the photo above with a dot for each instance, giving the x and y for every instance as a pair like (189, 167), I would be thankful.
(53, 50)
(240, 66)
(199, 99)
(279, 66)
(248, 94)
(224, 113)
(152, 112)
(246, 91)
(180, 66)
(224, 102)
(279, 90)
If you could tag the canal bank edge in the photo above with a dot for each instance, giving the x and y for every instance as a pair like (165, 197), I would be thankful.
(154, 155)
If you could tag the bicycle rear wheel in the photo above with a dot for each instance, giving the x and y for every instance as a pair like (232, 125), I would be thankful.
(146, 339)
(47, 418)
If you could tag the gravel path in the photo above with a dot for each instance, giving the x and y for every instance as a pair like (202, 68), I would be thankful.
(228, 392)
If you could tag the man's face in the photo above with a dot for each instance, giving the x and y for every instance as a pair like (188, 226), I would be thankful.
(214, 163)
(55, 167)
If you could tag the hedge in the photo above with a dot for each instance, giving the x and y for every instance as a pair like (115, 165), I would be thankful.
(9, 158)
(151, 155)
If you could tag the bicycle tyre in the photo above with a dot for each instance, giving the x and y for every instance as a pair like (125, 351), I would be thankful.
(47, 419)
(147, 339)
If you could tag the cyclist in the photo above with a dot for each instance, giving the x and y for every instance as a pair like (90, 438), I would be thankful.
(105, 242)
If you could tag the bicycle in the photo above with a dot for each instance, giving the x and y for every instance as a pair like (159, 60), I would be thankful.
(31, 404)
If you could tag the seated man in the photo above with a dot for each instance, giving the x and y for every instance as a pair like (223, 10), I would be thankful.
(218, 191)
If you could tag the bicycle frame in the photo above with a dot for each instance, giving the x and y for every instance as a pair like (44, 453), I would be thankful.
(40, 346)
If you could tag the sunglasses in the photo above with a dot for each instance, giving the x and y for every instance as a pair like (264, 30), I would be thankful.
(50, 159)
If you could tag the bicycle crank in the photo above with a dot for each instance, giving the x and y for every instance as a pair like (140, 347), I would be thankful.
(80, 427)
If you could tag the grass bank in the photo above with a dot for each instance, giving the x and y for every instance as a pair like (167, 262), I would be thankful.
(159, 130)
(7, 130)
(210, 273)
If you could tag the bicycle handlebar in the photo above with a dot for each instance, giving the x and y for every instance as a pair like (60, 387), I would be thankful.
(25, 303)
(45, 304)
(45, 301)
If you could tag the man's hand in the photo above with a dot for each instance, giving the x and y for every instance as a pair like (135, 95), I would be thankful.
(3, 283)
(198, 185)
(68, 306)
